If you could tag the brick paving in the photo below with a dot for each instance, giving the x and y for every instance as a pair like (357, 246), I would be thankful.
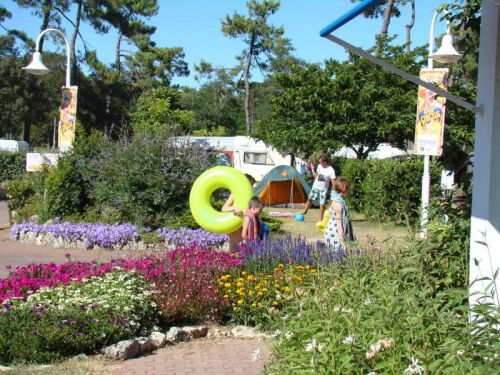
(220, 356)
(215, 356)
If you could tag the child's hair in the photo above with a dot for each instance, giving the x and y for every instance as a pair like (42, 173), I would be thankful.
(323, 157)
(256, 202)
(341, 185)
(250, 178)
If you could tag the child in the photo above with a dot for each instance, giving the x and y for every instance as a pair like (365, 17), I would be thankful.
(235, 237)
(335, 234)
(251, 221)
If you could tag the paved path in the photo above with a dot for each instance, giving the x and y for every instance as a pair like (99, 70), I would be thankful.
(222, 356)
(200, 357)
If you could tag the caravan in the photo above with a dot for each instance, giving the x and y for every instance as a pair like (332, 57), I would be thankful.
(246, 154)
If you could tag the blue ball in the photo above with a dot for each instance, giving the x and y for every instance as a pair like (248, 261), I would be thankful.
(299, 217)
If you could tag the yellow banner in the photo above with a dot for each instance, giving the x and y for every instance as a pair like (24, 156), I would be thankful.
(67, 117)
(429, 130)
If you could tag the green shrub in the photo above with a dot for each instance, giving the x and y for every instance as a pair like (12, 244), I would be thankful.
(77, 318)
(147, 181)
(376, 312)
(25, 194)
(386, 189)
(12, 164)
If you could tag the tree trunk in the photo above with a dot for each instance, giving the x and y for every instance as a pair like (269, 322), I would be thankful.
(47, 9)
(73, 39)
(117, 53)
(385, 26)
(246, 74)
(409, 26)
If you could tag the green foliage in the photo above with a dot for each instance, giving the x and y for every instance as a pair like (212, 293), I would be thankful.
(25, 193)
(12, 164)
(77, 318)
(146, 181)
(377, 311)
(353, 103)
(157, 111)
(386, 189)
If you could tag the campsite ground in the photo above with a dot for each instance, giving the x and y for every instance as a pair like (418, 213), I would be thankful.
(366, 232)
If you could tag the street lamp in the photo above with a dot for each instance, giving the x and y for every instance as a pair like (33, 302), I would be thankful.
(38, 68)
(445, 54)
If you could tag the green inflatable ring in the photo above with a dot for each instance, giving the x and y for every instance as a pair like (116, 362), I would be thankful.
(199, 199)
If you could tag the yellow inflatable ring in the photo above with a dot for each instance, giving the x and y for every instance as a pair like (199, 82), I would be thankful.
(199, 199)
(321, 225)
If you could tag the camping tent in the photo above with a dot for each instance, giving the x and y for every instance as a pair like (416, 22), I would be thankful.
(282, 185)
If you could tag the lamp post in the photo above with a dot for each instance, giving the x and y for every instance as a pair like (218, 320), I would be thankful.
(38, 68)
(445, 54)
(67, 111)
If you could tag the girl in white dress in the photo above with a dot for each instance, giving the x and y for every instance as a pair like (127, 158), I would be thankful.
(334, 233)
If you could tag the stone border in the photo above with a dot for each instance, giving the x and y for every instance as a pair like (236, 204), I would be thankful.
(49, 239)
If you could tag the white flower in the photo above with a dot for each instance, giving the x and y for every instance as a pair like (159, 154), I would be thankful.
(349, 340)
(256, 356)
(460, 352)
(414, 368)
(276, 333)
(376, 347)
(370, 354)
(372, 373)
(321, 347)
(311, 345)
(387, 342)
(367, 302)
(289, 335)
(285, 317)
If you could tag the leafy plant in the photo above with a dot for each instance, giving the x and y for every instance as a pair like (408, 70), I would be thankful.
(75, 318)
(12, 164)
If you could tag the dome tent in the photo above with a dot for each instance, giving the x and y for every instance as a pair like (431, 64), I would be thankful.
(282, 185)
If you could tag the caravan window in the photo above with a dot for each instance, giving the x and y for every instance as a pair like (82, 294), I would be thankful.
(261, 158)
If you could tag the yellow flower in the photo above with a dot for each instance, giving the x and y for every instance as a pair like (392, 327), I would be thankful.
(281, 265)
(240, 302)
(275, 303)
(254, 304)
(244, 273)
(239, 283)
(235, 308)
(225, 296)
(250, 292)
(227, 285)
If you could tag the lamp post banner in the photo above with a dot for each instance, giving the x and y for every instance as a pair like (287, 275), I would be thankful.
(67, 117)
(431, 108)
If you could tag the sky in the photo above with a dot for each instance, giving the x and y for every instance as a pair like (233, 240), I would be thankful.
(195, 25)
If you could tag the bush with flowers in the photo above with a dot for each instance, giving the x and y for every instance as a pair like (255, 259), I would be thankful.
(80, 317)
(255, 299)
(402, 311)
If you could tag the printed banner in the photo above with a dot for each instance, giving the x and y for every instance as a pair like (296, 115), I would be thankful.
(67, 117)
(431, 108)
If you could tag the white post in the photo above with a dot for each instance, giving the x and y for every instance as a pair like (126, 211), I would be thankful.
(426, 177)
(68, 50)
(485, 220)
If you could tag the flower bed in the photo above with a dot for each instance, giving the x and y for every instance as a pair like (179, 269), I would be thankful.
(112, 236)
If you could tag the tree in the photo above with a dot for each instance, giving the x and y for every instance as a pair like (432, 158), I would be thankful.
(259, 38)
(354, 103)
(387, 10)
(158, 110)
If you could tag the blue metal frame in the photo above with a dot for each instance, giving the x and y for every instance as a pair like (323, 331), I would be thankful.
(354, 12)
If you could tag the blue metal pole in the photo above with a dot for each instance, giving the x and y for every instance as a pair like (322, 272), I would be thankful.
(354, 12)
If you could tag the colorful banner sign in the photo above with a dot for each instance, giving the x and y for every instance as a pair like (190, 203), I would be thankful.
(67, 117)
(431, 108)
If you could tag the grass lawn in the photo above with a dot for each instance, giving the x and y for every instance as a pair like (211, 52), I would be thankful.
(365, 231)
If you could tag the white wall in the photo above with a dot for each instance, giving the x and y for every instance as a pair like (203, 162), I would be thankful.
(485, 221)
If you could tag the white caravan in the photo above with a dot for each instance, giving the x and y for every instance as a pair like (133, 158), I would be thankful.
(246, 154)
